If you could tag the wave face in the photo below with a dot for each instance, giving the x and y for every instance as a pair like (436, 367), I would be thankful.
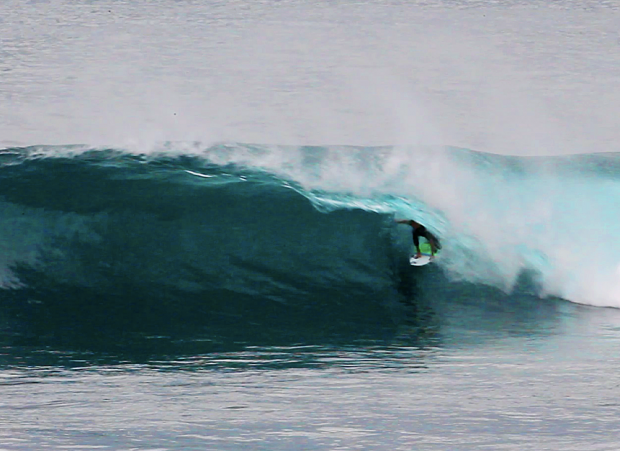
(238, 241)
(101, 242)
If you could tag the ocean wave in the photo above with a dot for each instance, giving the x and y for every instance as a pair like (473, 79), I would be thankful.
(246, 237)
(105, 240)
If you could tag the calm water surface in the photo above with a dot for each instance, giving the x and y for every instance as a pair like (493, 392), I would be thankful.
(491, 376)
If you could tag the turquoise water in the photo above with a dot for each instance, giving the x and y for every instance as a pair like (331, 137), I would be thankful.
(173, 303)
(197, 237)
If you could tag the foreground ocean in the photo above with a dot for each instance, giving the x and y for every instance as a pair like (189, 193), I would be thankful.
(197, 239)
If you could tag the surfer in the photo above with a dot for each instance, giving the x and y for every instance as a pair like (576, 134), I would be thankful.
(418, 231)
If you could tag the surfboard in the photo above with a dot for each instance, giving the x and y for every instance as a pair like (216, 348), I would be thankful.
(426, 258)
(423, 260)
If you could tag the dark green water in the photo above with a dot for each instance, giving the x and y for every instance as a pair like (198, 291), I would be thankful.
(174, 304)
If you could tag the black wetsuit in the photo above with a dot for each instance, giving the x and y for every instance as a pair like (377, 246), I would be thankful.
(421, 231)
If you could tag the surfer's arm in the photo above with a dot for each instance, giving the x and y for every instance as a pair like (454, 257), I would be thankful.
(402, 221)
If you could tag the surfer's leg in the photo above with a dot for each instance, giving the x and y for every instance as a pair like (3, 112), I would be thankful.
(432, 241)
(416, 243)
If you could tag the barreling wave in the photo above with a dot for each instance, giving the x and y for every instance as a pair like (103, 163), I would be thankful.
(99, 241)
(240, 239)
